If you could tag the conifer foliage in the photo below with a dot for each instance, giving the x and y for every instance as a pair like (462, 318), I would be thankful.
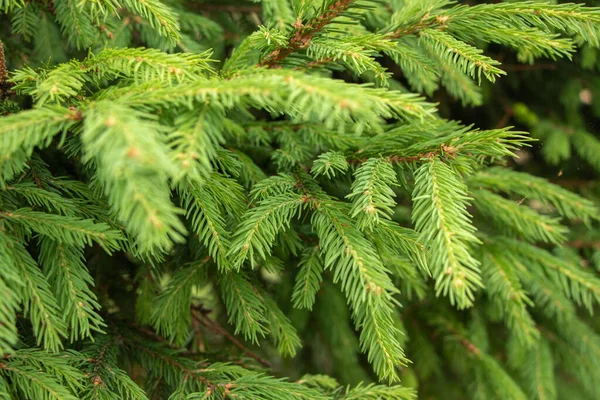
(267, 199)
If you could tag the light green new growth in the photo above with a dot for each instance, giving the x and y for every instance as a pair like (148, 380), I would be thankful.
(264, 200)
(439, 212)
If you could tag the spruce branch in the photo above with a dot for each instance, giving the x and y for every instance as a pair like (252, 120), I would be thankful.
(104, 378)
(566, 203)
(64, 268)
(9, 5)
(75, 22)
(365, 282)
(582, 286)
(285, 335)
(208, 221)
(459, 334)
(263, 387)
(160, 17)
(134, 167)
(375, 392)
(396, 159)
(197, 380)
(194, 141)
(146, 65)
(439, 213)
(331, 102)
(308, 279)
(582, 244)
(293, 168)
(35, 384)
(569, 18)
(49, 200)
(21, 133)
(329, 164)
(171, 308)
(25, 21)
(171, 367)
(256, 234)
(505, 290)
(69, 230)
(449, 141)
(246, 310)
(537, 369)
(468, 59)
(419, 69)
(492, 372)
(424, 24)
(404, 241)
(39, 303)
(372, 194)
(303, 33)
(587, 146)
(11, 284)
(545, 292)
(502, 17)
(509, 216)
(358, 54)
(579, 342)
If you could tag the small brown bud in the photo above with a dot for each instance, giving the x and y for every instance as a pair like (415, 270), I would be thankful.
(133, 152)
(110, 121)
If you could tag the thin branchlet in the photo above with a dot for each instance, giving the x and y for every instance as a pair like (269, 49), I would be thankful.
(301, 192)
(303, 33)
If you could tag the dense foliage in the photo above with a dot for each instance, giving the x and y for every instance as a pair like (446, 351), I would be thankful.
(285, 199)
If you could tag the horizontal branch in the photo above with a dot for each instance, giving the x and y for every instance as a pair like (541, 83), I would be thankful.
(200, 316)
(398, 159)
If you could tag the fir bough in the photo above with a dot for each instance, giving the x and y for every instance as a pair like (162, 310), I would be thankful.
(273, 200)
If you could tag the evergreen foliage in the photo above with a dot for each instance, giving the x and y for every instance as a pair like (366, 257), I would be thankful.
(276, 199)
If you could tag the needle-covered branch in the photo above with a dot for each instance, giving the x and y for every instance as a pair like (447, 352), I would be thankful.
(196, 198)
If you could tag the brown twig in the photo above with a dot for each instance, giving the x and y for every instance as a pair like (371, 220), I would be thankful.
(583, 244)
(36, 177)
(449, 150)
(188, 373)
(443, 150)
(302, 34)
(508, 113)
(200, 316)
(467, 344)
(419, 26)
(150, 334)
(197, 333)
(314, 64)
(99, 361)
